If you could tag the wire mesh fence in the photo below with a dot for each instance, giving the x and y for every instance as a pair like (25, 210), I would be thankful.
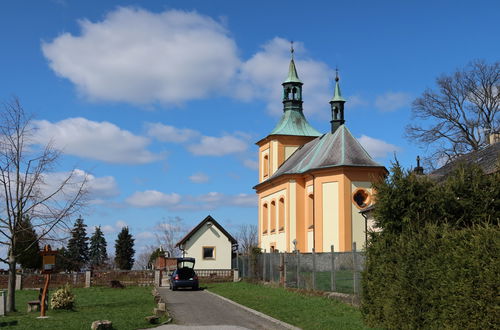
(327, 271)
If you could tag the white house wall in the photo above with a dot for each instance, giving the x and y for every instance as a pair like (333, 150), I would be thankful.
(209, 236)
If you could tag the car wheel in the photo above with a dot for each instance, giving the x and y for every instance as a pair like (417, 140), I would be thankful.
(174, 288)
(196, 288)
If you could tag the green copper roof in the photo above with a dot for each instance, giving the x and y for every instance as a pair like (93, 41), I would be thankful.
(293, 122)
(292, 73)
(337, 96)
(329, 150)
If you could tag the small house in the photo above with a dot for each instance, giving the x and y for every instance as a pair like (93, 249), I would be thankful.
(210, 244)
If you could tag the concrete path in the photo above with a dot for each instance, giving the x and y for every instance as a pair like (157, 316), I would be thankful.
(205, 310)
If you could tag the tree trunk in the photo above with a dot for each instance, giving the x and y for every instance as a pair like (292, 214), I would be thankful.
(11, 288)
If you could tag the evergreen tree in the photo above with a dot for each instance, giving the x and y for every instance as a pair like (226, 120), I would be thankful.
(27, 247)
(63, 261)
(97, 253)
(78, 249)
(124, 250)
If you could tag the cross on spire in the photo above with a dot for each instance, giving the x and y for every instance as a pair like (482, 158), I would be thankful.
(291, 48)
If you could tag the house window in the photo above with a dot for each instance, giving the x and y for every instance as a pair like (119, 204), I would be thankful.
(265, 218)
(361, 198)
(273, 216)
(209, 252)
(310, 211)
(281, 214)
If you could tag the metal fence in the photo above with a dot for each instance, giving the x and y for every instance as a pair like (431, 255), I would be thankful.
(327, 271)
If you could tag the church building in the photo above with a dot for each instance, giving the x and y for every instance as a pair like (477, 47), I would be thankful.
(312, 186)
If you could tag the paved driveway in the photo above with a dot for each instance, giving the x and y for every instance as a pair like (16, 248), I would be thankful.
(203, 310)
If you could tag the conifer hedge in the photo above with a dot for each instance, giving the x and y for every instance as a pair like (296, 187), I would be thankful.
(436, 268)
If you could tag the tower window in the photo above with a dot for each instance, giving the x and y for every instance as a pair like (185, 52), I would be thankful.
(361, 198)
(266, 166)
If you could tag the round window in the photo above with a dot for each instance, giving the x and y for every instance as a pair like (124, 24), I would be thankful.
(361, 198)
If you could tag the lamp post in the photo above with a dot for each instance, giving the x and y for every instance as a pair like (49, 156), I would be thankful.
(48, 265)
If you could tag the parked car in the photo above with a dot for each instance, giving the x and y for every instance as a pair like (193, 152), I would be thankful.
(184, 276)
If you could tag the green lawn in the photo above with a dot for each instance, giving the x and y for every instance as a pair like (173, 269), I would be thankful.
(126, 308)
(303, 311)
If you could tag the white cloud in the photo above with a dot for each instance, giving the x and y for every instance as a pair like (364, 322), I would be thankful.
(145, 235)
(96, 140)
(112, 229)
(377, 148)
(218, 146)
(392, 101)
(199, 178)
(167, 133)
(153, 198)
(251, 164)
(357, 101)
(138, 56)
(261, 77)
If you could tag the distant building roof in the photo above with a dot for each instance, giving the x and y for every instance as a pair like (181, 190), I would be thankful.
(487, 159)
(329, 150)
(195, 229)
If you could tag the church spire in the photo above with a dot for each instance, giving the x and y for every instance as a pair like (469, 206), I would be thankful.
(292, 87)
(337, 105)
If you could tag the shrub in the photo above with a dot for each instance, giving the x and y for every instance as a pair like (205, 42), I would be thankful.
(63, 298)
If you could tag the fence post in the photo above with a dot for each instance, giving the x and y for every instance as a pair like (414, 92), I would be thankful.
(19, 281)
(87, 279)
(283, 269)
(355, 282)
(298, 270)
(271, 270)
(314, 269)
(333, 285)
(264, 266)
(243, 274)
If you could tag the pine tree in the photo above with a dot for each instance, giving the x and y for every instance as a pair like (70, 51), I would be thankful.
(97, 253)
(27, 247)
(78, 249)
(124, 250)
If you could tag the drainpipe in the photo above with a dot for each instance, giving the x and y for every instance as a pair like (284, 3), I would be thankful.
(314, 211)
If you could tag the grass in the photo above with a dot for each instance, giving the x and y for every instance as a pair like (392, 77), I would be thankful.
(300, 310)
(126, 308)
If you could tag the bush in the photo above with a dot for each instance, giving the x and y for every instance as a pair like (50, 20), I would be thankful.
(63, 298)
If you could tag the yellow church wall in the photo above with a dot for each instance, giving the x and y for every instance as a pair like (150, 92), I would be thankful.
(274, 156)
(330, 215)
(292, 215)
(358, 221)
(273, 238)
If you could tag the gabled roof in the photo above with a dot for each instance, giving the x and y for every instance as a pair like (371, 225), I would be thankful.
(293, 122)
(200, 225)
(487, 159)
(329, 150)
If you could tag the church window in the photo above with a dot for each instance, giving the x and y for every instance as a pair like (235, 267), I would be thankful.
(294, 93)
(361, 198)
(265, 223)
(273, 216)
(281, 214)
(310, 211)
(266, 165)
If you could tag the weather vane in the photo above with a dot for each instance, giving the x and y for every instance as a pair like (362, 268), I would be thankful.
(336, 73)
(291, 48)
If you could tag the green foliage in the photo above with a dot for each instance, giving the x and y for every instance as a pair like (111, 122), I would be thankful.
(124, 250)
(97, 252)
(156, 253)
(63, 298)
(435, 263)
(78, 250)
(27, 247)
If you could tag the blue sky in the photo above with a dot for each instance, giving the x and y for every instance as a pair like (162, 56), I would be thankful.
(162, 101)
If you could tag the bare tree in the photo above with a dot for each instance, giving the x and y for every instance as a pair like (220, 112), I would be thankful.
(142, 261)
(30, 188)
(247, 238)
(458, 117)
(171, 231)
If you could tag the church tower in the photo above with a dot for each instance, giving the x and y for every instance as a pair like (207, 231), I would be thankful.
(291, 132)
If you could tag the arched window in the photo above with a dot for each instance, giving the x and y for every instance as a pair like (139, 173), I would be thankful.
(294, 93)
(265, 218)
(273, 216)
(281, 214)
(266, 165)
(310, 211)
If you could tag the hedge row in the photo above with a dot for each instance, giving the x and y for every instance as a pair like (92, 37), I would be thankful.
(438, 277)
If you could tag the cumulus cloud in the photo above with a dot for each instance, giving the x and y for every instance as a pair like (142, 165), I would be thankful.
(377, 148)
(138, 56)
(199, 178)
(111, 229)
(167, 133)
(153, 198)
(392, 101)
(251, 164)
(261, 77)
(102, 141)
(218, 146)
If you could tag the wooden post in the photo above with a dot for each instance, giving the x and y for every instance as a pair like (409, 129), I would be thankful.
(44, 295)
